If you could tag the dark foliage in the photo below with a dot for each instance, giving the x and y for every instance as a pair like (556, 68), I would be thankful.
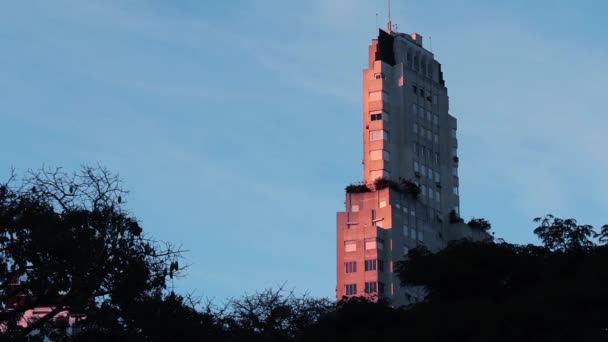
(357, 188)
(480, 223)
(454, 218)
(66, 242)
(481, 291)
(403, 186)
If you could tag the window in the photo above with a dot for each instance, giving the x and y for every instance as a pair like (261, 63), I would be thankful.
(421, 91)
(438, 196)
(423, 170)
(412, 212)
(453, 133)
(416, 167)
(351, 289)
(375, 174)
(354, 208)
(415, 128)
(435, 119)
(350, 266)
(413, 233)
(405, 250)
(431, 194)
(374, 243)
(455, 190)
(437, 178)
(454, 171)
(457, 210)
(428, 116)
(454, 152)
(397, 205)
(376, 117)
(370, 265)
(420, 114)
(371, 287)
(420, 235)
(430, 174)
(350, 246)
(375, 155)
(434, 99)
(378, 96)
(379, 76)
(378, 135)
(424, 190)
(380, 288)
(380, 265)
(437, 158)
(405, 230)
(429, 135)
(436, 139)
(382, 204)
(414, 88)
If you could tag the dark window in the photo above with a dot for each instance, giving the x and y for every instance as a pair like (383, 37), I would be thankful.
(376, 117)
(370, 265)
(421, 92)
(371, 287)
(351, 289)
(380, 288)
(350, 266)
(380, 265)
(414, 88)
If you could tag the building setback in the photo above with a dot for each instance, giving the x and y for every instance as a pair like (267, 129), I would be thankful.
(409, 137)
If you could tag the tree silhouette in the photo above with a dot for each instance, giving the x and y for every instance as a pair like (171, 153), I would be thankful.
(67, 242)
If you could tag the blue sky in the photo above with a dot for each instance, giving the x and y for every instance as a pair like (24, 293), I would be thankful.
(236, 124)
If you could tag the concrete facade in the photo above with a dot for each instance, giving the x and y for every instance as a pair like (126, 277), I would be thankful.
(408, 134)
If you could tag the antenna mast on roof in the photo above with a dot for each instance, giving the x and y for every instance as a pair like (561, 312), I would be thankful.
(390, 24)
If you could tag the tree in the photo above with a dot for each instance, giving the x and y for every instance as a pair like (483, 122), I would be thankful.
(480, 223)
(482, 291)
(67, 242)
(565, 235)
(271, 315)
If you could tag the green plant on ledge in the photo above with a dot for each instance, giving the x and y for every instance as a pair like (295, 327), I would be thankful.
(480, 223)
(454, 218)
(357, 188)
(403, 186)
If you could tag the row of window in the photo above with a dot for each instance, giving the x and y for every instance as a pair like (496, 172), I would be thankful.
(424, 152)
(370, 287)
(421, 113)
(427, 172)
(369, 265)
(423, 132)
(424, 94)
(371, 243)
(413, 234)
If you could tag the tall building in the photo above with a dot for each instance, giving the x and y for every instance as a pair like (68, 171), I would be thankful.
(409, 138)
